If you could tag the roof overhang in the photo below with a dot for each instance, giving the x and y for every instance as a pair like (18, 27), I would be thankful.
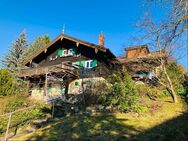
(77, 43)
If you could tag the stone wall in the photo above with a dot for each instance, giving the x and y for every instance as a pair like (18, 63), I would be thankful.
(54, 90)
(79, 85)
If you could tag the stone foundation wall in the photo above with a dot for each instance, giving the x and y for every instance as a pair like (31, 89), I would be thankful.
(54, 90)
(79, 85)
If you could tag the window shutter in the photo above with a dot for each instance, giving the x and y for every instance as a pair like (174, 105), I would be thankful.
(60, 52)
(94, 63)
(76, 83)
(82, 64)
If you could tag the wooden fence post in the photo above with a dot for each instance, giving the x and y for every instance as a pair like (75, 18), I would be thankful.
(8, 125)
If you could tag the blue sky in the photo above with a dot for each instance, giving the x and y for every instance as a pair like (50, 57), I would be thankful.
(83, 19)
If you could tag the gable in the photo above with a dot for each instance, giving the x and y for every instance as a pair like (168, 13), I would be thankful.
(135, 52)
(65, 48)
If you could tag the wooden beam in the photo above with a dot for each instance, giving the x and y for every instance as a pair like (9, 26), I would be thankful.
(96, 50)
(61, 38)
(45, 50)
(77, 44)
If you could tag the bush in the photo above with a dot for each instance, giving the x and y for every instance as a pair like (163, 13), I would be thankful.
(121, 94)
(7, 83)
(146, 90)
(96, 92)
(176, 73)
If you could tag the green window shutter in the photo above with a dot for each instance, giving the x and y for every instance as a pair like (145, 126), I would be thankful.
(60, 52)
(94, 63)
(82, 64)
(76, 83)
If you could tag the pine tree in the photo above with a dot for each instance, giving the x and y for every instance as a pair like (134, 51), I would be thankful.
(13, 60)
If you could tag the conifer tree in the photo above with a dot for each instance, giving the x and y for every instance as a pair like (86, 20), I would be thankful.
(37, 45)
(13, 60)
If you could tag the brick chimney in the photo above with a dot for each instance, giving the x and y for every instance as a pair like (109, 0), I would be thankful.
(101, 39)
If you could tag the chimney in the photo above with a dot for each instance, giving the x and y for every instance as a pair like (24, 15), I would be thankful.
(101, 39)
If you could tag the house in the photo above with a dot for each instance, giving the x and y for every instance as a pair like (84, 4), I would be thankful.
(66, 66)
(142, 64)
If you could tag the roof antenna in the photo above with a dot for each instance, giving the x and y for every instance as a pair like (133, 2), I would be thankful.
(63, 30)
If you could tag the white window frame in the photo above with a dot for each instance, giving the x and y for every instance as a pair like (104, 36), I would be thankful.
(70, 52)
(90, 64)
(64, 52)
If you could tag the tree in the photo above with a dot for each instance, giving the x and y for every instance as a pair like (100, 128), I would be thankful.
(7, 83)
(122, 94)
(37, 45)
(164, 36)
(13, 60)
(177, 74)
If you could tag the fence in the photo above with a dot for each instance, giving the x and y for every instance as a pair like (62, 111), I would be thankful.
(10, 116)
(49, 101)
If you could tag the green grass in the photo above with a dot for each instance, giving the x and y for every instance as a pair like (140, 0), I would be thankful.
(166, 122)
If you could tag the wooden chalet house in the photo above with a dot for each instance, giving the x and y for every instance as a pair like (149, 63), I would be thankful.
(66, 66)
(142, 64)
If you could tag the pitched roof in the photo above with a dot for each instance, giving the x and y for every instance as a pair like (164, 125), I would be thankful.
(137, 47)
(77, 41)
(149, 56)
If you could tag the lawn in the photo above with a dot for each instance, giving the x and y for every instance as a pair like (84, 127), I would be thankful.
(168, 122)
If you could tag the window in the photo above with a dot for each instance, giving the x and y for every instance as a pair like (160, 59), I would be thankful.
(88, 64)
(65, 52)
(70, 52)
(76, 83)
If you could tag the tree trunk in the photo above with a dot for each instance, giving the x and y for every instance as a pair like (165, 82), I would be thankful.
(170, 87)
(173, 94)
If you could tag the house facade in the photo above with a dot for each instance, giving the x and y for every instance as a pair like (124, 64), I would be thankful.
(142, 64)
(66, 66)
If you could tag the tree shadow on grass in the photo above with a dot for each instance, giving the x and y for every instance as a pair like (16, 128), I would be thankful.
(86, 128)
(111, 128)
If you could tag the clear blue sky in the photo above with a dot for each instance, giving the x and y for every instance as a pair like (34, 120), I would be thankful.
(83, 19)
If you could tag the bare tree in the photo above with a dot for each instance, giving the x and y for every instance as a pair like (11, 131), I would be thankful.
(164, 37)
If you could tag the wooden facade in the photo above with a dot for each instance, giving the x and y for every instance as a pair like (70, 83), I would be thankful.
(62, 62)
(67, 65)
(141, 63)
(135, 52)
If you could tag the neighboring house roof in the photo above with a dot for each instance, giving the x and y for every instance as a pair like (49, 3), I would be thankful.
(77, 42)
(137, 47)
(149, 56)
(142, 62)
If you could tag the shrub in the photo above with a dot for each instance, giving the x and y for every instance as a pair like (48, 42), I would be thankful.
(121, 94)
(176, 73)
(7, 83)
(146, 90)
(96, 92)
